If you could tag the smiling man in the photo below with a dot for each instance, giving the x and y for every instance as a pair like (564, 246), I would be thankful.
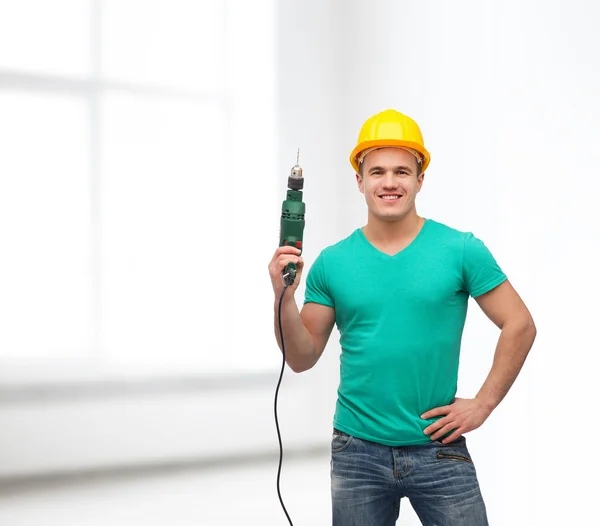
(398, 290)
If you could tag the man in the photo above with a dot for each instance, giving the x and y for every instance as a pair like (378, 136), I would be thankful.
(398, 290)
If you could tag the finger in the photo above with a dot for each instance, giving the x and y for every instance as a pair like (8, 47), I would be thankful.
(451, 438)
(436, 425)
(436, 412)
(287, 249)
(446, 429)
(284, 250)
(278, 266)
(282, 263)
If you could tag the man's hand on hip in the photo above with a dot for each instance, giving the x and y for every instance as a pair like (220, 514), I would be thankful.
(462, 416)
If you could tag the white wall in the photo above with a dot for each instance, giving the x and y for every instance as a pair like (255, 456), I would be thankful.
(506, 95)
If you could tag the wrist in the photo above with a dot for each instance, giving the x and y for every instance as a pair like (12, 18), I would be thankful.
(487, 402)
(288, 298)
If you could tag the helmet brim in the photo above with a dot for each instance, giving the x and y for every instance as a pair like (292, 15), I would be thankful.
(392, 143)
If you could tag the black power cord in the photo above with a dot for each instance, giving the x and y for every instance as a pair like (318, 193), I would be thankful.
(286, 285)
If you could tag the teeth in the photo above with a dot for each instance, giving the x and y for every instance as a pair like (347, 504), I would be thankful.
(390, 197)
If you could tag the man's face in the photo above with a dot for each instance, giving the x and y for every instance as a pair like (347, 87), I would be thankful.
(390, 172)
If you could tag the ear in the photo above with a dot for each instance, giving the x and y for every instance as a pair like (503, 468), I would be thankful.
(420, 180)
(359, 181)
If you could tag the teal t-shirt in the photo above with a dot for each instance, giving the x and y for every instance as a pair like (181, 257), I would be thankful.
(400, 320)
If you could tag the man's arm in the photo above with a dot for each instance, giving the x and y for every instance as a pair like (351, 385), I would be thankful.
(505, 308)
(305, 333)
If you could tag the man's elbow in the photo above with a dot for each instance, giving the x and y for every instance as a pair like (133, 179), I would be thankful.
(525, 326)
(521, 325)
(298, 368)
(532, 329)
(301, 366)
(529, 325)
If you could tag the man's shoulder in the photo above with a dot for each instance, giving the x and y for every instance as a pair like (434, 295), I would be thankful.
(446, 233)
(344, 245)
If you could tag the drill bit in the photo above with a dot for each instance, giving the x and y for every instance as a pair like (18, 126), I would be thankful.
(298, 158)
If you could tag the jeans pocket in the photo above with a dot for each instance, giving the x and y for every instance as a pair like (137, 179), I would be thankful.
(455, 450)
(453, 455)
(340, 441)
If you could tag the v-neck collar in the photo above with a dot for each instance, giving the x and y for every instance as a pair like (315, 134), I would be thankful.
(402, 252)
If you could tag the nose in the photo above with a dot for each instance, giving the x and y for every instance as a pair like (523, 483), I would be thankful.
(389, 180)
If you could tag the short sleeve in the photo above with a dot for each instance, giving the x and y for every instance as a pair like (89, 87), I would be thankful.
(481, 272)
(316, 290)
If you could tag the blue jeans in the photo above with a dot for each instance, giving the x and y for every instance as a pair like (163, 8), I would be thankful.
(368, 480)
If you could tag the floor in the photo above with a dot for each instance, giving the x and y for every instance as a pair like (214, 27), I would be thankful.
(243, 495)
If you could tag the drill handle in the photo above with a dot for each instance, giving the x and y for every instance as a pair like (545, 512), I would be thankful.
(288, 274)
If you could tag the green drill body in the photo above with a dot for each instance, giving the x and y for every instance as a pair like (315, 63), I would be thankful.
(292, 220)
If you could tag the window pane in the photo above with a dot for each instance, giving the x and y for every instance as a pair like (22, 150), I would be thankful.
(166, 42)
(45, 228)
(164, 207)
(46, 37)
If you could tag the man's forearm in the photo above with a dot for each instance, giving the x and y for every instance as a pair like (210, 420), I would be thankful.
(300, 353)
(514, 344)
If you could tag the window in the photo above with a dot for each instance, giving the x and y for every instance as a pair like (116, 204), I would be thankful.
(137, 187)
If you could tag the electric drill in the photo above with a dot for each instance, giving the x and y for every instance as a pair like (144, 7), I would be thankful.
(290, 233)
(292, 219)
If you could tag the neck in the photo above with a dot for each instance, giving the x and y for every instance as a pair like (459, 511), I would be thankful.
(393, 231)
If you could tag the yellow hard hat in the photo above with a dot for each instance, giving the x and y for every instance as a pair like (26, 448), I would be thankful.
(390, 128)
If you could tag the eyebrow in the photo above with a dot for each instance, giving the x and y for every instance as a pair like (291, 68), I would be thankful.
(405, 168)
